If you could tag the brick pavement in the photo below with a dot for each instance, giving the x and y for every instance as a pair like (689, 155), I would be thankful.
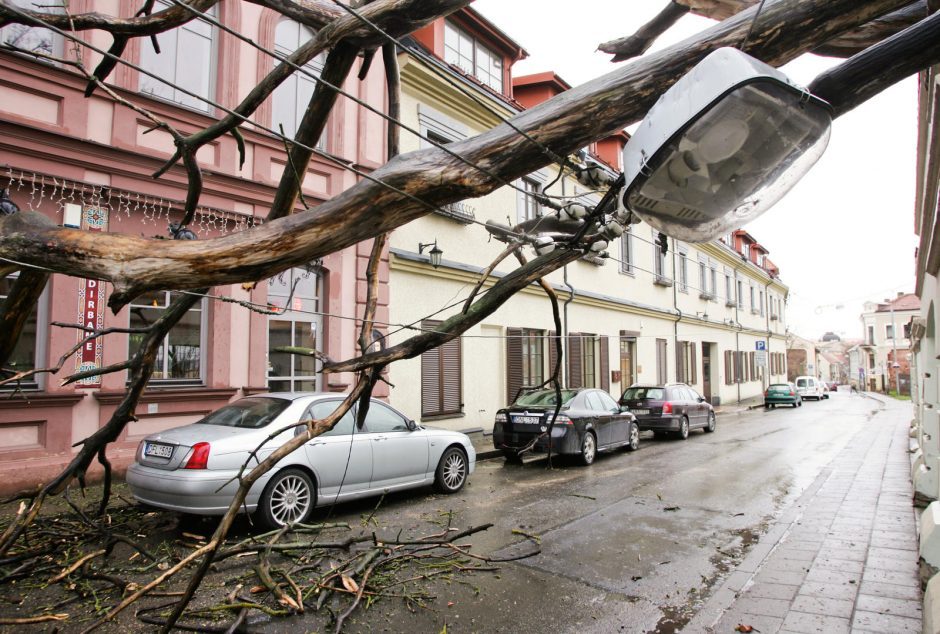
(844, 557)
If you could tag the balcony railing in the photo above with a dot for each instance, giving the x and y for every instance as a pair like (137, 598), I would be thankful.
(461, 212)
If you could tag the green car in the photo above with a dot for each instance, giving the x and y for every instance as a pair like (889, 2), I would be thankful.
(782, 394)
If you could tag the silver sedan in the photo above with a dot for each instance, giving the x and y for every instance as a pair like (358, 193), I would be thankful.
(192, 469)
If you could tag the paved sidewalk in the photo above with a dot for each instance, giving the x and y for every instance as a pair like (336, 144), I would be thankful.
(844, 557)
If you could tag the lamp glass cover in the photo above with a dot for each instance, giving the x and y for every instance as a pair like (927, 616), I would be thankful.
(732, 162)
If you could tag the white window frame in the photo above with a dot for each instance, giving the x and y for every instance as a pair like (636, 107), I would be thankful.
(203, 308)
(627, 252)
(294, 317)
(297, 85)
(889, 331)
(181, 57)
(527, 205)
(682, 252)
(470, 61)
(38, 381)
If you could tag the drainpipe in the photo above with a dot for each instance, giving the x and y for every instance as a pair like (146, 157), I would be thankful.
(767, 321)
(675, 305)
(737, 333)
(564, 324)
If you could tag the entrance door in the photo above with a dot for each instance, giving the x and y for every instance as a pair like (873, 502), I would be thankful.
(707, 371)
(627, 362)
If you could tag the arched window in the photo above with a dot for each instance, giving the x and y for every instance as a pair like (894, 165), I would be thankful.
(291, 97)
(187, 60)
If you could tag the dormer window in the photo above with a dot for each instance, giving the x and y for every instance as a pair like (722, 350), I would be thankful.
(464, 51)
(746, 250)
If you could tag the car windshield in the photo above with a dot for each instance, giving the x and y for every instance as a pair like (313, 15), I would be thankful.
(639, 393)
(248, 412)
(780, 386)
(546, 397)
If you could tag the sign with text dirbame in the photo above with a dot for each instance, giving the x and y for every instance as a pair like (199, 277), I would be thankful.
(91, 299)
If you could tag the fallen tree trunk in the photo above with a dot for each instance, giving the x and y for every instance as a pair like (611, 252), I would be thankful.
(413, 184)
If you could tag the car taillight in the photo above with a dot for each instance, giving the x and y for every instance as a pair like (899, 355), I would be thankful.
(199, 457)
(561, 420)
(766, 392)
(667, 408)
(792, 393)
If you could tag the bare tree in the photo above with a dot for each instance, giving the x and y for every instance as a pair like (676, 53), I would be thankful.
(892, 39)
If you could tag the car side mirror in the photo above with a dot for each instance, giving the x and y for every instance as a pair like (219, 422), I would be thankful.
(701, 399)
(411, 425)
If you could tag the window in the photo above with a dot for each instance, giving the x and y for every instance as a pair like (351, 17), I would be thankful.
(683, 256)
(713, 273)
(746, 250)
(753, 301)
(30, 38)
(180, 358)
(661, 368)
(291, 97)
(441, 378)
(382, 419)
(871, 335)
(529, 208)
(532, 356)
(588, 371)
(186, 59)
(906, 329)
(740, 295)
(295, 294)
(889, 331)
(729, 290)
(468, 54)
(627, 360)
(322, 409)
(761, 303)
(626, 251)
(703, 276)
(659, 259)
(26, 350)
(685, 362)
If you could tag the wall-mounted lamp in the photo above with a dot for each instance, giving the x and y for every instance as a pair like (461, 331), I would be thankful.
(434, 255)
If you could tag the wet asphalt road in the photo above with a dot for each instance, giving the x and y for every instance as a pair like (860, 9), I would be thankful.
(633, 543)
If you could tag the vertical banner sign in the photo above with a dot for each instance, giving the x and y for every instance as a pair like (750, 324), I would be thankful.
(91, 302)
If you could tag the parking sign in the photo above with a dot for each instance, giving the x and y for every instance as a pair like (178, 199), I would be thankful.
(760, 345)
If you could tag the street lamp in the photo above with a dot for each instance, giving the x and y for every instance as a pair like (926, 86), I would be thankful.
(721, 146)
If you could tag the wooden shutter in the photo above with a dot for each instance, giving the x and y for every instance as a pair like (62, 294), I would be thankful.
(605, 364)
(680, 366)
(513, 363)
(552, 341)
(451, 377)
(574, 360)
(692, 362)
(441, 379)
(729, 369)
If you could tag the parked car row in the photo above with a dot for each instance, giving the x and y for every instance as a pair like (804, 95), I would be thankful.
(588, 420)
(196, 468)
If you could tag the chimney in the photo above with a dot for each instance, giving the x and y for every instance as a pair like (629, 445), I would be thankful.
(900, 294)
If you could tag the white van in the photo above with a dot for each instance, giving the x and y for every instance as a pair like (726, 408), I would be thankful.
(811, 387)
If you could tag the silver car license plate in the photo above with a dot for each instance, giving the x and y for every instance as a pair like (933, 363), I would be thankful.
(155, 450)
(640, 411)
(527, 420)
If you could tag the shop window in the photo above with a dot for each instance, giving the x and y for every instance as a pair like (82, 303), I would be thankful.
(181, 356)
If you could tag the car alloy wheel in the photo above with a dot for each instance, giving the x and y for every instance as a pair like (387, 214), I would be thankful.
(634, 437)
(288, 498)
(712, 423)
(588, 448)
(451, 471)
(684, 428)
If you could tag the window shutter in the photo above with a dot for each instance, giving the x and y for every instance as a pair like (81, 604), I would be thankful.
(441, 379)
(451, 377)
(574, 360)
(513, 363)
(605, 364)
(680, 368)
(692, 362)
(729, 374)
(552, 342)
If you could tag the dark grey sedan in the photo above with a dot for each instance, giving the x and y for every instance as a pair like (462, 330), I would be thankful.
(589, 421)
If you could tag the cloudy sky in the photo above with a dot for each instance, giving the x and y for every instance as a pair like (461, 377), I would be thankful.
(844, 234)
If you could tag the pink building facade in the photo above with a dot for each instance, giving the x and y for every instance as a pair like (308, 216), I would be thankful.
(88, 162)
